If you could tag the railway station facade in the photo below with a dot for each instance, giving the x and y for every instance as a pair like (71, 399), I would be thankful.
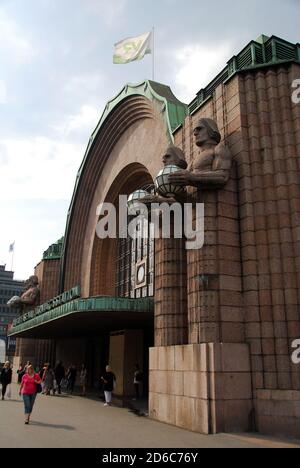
(212, 328)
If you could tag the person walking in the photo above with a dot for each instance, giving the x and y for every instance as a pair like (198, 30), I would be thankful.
(59, 372)
(109, 380)
(5, 378)
(48, 380)
(28, 390)
(20, 373)
(83, 380)
(71, 376)
(137, 381)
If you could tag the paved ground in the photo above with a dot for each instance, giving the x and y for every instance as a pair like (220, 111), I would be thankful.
(70, 421)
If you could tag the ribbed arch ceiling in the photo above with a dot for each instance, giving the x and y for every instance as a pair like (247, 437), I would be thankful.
(128, 112)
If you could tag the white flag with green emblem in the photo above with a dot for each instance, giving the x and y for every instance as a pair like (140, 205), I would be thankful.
(133, 48)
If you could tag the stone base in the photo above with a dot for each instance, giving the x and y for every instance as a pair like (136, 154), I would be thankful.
(205, 388)
(278, 412)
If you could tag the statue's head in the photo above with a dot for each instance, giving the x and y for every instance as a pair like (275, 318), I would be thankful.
(174, 156)
(206, 131)
(33, 280)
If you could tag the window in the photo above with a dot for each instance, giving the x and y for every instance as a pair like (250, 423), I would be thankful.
(135, 264)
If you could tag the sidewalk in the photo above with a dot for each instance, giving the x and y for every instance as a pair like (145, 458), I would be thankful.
(71, 421)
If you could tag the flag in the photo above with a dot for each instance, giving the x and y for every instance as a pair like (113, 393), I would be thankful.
(12, 247)
(133, 48)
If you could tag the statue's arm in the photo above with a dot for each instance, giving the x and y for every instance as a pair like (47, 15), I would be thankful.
(219, 174)
(32, 298)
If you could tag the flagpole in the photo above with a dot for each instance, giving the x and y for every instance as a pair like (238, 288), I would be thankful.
(153, 44)
(12, 259)
(12, 255)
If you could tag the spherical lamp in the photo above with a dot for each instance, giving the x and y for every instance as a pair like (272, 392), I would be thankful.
(162, 184)
(134, 201)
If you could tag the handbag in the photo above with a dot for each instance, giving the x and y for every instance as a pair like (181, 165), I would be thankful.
(39, 388)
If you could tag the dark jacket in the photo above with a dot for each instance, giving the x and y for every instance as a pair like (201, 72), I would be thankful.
(59, 372)
(6, 376)
(108, 378)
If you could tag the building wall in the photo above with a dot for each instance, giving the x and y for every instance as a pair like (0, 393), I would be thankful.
(34, 350)
(259, 260)
(48, 273)
(240, 325)
(8, 288)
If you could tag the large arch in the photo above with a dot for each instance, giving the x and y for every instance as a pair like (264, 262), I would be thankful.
(124, 150)
(102, 263)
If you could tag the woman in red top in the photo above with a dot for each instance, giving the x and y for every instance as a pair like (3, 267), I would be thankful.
(28, 390)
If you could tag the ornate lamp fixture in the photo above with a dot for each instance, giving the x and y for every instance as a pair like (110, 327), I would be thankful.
(163, 185)
(134, 201)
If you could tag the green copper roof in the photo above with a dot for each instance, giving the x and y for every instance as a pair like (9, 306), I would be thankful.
(80, 306)
(54, 252)
(173, 111)
(264, 52)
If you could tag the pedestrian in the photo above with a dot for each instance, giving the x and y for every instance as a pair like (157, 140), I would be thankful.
(109, 380)
(29, 390)
(28, 363)
(48, 380)
(137, 381)
(5, 378)
(71, 376)
(59, 372)
(83, 380)
(20, 373)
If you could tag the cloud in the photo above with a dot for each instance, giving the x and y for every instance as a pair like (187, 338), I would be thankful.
(197, 65)
(13, 42)
(87, 83)
(33, 225)
(3, 92)
(109, 11)
(81, 124)
(38, 167)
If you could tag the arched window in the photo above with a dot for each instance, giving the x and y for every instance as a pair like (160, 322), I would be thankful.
(135, 263)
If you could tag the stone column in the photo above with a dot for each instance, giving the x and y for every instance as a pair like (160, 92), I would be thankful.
(170, 322)
(215, 312)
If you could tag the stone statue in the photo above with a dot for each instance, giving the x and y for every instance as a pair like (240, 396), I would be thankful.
(30, 297)
(173, 156)
(211, 168)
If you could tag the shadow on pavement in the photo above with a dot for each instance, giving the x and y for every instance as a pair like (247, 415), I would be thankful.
(12, 400)
(54, 426)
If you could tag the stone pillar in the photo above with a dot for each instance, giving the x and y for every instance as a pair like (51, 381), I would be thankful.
(204, 388)
(215, 312)
(126, 349)
(170, 322)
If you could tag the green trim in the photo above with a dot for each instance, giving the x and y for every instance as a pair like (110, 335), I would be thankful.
(264, 52)
(173, 111)
(92, 304)
(54, 251)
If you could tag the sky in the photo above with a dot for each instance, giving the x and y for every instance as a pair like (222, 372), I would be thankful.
(56, 75)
